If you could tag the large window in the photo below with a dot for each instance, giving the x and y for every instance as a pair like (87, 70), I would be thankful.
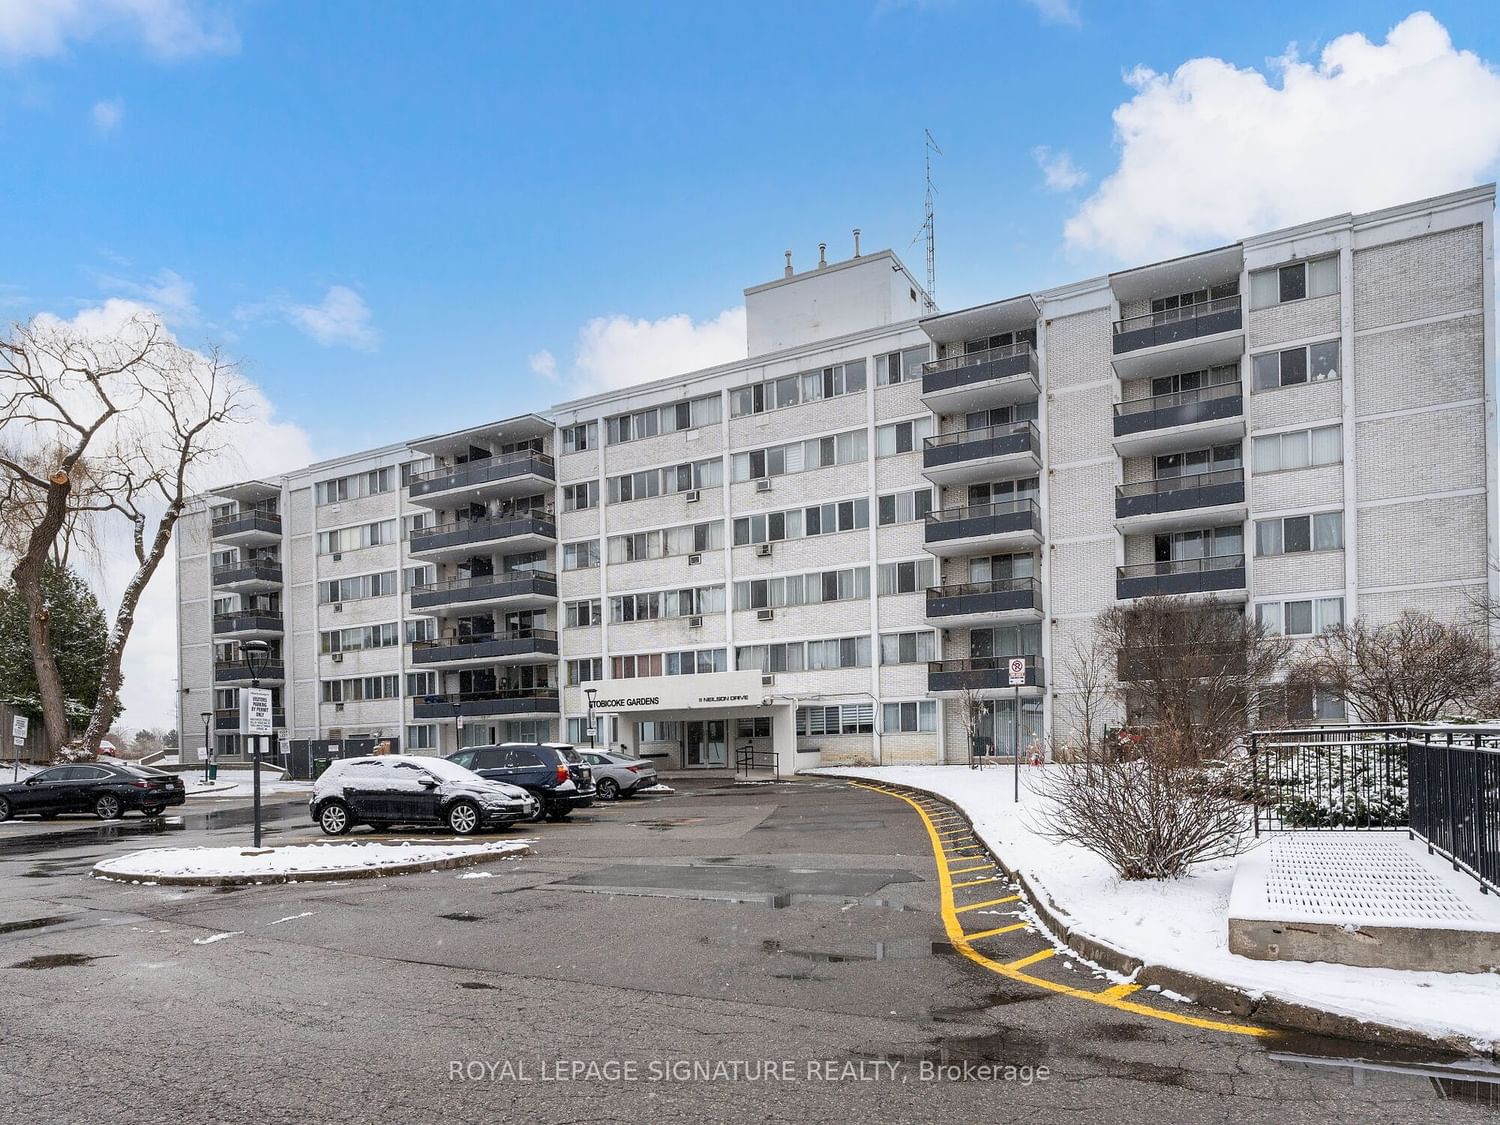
(1311, 363)
(908, 648)
(1299, 449)
(811, 656)
(658, 732)
(581, 614)
(799, 456)
(1294, 282)
(844, 718)
(905, 507)
(357, 587)
(421, 737)
(1289, 535)
(902, 437)
(577, 497)
(803, 589)
(358, 537)
(362, 688)
(690, 414)
(908, 718)
(667, 542)
(799, 523)
(420, 684)
(585, 671)
(656, 604)
(387, 635)
(906, 577)
(583, 555)
(1302, 617)
(353, 487)
(686, 663)
(580, 436)
(904, 366)
(791, 390)
(662, 482)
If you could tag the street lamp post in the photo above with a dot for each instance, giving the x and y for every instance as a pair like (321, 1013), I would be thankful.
(207, 746)
(590, 692)
(255, 655)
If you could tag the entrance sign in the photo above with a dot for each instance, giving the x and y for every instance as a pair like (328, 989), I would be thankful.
(19, 726)
(705, 691)
(255, 711)
(1017, 670)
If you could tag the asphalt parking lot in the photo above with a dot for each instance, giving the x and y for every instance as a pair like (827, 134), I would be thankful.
(723, 953)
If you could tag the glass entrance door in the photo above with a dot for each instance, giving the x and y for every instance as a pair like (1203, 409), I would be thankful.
(704, 744)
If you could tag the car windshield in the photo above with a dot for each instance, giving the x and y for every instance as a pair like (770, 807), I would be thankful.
(140, 771)
(569, 754)
(448, 771)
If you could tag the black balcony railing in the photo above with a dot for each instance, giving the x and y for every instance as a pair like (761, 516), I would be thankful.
(501, 701)
(486, 646)
(249, 621)
(237, 673)
(240, 522)
(1180, 576)
(981, 673)
(1171, 326)
(1179, 662)
(482, 471)
(969, 599)
(981, 444)
(485, 588)
(955, 372)
(1181, 408)
(241, 572)
(1162, 495)
(463, 533)
(1005, 517)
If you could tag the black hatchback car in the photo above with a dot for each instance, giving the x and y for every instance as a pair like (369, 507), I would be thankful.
(557, 776)
(107, 791)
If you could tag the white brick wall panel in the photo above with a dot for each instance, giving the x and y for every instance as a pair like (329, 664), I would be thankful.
(756, 431)
(909, 749)
(1139, 549)
(1082, 500)
(1287, 406)
(901, 473)
(367, 560)
(1297, 320)
(573, 526)
(578, 641)
(573, 467)
(664, 449)
(193, 580)
(191, 534)
(302, 512)
(1083, 576)
(899, 401)
(1418, 278)
(1298, 574)
(366, 509)
(844, 548)
(842, 749)
(662, 511)
(903, 681)
(364, 611)
(1451, 544)
(1438, 451)
(659, 636)
(1402, 368)
(1078, 349)
(1298, 488)
(903, 612)
(901, 540)
(653, 574)
(1082, 424)
(800, 489)
(1446, 603)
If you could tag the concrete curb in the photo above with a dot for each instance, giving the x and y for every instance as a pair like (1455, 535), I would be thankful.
(328, 876)
(1203, 991)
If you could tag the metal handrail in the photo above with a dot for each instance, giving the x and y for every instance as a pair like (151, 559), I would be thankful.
(467, 582)
(1227, 389)
(1158, 485)
(494, 459)
(251, 513)
(1182, 312)
(540, 515)
(482, 638)
(986, 355)
(984, 663)
(1182, 566)
(994, 586)
(750, 757)
(236, 614)
(495, 694)
(982, 433)
(246, 564)
(977, 511)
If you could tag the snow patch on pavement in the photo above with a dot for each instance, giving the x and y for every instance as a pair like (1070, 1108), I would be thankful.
(305, 859)
(216, 937)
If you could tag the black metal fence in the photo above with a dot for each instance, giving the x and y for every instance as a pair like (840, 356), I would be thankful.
(1440, 783)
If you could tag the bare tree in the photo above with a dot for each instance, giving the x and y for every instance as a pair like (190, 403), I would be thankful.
(1410, 670)
(1088, 668)
(95, 430)
(972, 708)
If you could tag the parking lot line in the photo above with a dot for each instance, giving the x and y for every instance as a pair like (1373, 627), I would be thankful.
(976, 882)
(1023, 962)
(982, 905)
(998, 930)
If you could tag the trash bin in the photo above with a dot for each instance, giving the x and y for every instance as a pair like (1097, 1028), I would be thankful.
(213, 771)
(319, 765)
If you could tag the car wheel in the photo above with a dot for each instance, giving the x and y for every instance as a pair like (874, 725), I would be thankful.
(333, 818)
(4, 809)
(608, 789)
(541, 810)
(463, 818)
(107, 807)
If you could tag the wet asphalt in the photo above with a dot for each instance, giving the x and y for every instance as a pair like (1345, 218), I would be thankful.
(725, 953)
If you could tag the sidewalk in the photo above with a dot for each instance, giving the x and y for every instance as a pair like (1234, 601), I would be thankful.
(1182, 926)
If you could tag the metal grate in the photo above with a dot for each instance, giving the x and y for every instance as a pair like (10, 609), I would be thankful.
(1372, 878)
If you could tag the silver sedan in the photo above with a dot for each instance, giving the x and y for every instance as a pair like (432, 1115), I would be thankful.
(618, 775)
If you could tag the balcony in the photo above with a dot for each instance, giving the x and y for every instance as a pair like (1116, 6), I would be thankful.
(986, 674)
(485, 648)
(981, 528)
(1199, 417)
(1183, 339)
(517, 534)
(506, 702)
(1218, 575)
(236, 673)
(957, 384)
(1216, 497)
(981, 603)
(247, 529)
(1178, 662)
(247, 577)
(249, 624)
(229, 720)
(509, 474)
(988, 453)
(523, 589)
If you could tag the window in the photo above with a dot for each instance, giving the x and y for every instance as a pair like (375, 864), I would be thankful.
(666, 543)
(844, 718)
(1277, 286)
(580, 436)
(686, 415)
(692, 602)
(577, 497)
(421, 629)
(1301, 618)
(581, 556)
(905, 507)
(658, 482)
(420, 684)
(1289, 535)
(789, 390)
(1313, 363)
(802, 589)
(417, 521)
(797, 523)
(901, 367)
(788, 657)
(1299, 449)
(1313, 703)
(906, 577)
(421, 737)
(352, 488)
(357, 538)
(582, 614)
(357, 587)
(799, 456)
(1004, 641)
(414, 576)
(633, 667)
(1022, 336)
(902, 437)
(906, 718)
(757, 727)
(1182, 306)
(361, 688)
(359, 637)
(908, 648)
(587, 670)
(658, 732)
(838, 652)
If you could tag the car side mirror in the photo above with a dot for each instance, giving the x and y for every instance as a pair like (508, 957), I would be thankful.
(427, 782)
(31, 780)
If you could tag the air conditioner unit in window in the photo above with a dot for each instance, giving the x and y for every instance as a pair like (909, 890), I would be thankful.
(695, 622)
(694, 559)
(763, 485)
(763, 551)
(338, 607)
(338, 658)
(691, 496)
(338, 556)
(338, 706)
(767, 680)
(765, 615)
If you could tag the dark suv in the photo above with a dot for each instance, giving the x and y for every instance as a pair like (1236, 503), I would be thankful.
(556, 776)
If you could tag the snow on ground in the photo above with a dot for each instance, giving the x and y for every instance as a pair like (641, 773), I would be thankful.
(18, 772)
(658, 789)
(304, 859)
(230, 785)
(1184, 924)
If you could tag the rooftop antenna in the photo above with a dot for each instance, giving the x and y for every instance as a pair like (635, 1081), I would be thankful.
(931, 146)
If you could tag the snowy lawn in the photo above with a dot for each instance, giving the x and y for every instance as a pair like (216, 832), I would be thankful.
(231, 785)
(1184, 924)
(298, 861)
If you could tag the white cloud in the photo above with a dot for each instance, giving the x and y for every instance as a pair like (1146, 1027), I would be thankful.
(1058, 11)
(544, 363)
(620, 351)
(1058, 169)
(169, 29)
(167, 292)
(341, 318)
(1212, 152)
(107, 115)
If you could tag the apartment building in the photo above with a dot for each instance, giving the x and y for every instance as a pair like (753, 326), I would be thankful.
(811, 552)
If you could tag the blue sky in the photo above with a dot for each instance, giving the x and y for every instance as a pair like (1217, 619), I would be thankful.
(481, 180)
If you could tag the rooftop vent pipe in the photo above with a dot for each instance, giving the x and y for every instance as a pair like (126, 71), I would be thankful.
(822, 255)
(788, 272)
(856, 242)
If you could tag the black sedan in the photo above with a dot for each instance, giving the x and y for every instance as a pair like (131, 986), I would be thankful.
(92, 787)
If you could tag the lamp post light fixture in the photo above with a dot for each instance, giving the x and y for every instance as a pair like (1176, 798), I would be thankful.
(590, 692)
(256, 655)
(207, 745)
